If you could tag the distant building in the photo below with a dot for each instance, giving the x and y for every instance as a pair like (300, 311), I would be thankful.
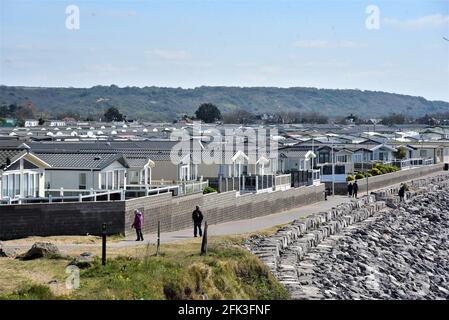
(31, 123)
(56, 123)
(69, 121)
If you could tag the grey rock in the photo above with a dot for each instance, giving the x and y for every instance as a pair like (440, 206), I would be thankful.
(41, 250)
(6, 252)
(84, 260)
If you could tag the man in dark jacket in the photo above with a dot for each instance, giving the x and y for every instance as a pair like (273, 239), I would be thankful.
(402, 193)
(350, 188)
(355, 189)
(197, 217)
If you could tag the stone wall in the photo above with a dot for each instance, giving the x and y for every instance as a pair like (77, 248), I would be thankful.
(378, 182)
(49, 219)
(289, 252)
(175, 213)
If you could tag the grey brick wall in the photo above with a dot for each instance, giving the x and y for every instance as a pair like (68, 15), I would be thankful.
(18, 221)
(175, 213)
(48, 219)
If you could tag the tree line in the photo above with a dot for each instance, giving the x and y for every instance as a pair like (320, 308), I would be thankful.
(210, 113)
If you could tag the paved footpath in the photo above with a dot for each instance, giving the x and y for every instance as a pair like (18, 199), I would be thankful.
(247, 225)
(233, 227)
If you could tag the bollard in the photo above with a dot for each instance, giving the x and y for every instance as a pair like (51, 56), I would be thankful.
(204, 241)
(103, 245)
(158, 238)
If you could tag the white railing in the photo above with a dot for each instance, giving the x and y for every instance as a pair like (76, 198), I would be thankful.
(283, 182)
(316, 176)
(189, 187)
(79, 198)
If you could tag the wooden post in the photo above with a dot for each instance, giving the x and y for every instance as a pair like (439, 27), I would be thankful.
(158, 238)
(103, 245)
(204, 241)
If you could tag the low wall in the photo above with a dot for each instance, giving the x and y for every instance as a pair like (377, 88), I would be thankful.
(175, 213)
(378, 182)
(50, 219)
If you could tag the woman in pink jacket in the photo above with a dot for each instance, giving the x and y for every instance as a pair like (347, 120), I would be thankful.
(138, 224)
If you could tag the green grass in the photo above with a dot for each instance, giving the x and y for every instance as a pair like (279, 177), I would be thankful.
(225, 273)
(180, 272)
(31, 292)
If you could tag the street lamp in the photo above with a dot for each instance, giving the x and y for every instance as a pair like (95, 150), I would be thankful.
(333, 167)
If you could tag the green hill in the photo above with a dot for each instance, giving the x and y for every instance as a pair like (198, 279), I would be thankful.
(156, 103)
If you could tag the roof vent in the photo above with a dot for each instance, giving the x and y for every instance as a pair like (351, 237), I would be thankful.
(97, 158)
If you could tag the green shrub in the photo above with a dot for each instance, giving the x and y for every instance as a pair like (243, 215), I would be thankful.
(359, 175)
(367, 174)
(391, 168)
(349, 178)
(32, 292)
(209, 190)
(375, 172)
(377, 165)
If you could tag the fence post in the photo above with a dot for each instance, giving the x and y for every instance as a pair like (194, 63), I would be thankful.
(80, 197)
(204, 241)
(158, 238)
(95, 196)
(109, 195)
(50, 198)
(103, 245)
(61, 192)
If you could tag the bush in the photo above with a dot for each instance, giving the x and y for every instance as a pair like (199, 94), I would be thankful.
(391, 168)
(375, 172)
(209, 190)
(359, 175)
(367, 174)
(32, 292)
(349, 178)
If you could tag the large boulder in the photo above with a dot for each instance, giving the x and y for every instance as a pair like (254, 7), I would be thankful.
(41, 250)
(6, 252)
(84, 260)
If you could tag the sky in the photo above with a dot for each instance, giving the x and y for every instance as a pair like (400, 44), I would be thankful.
(324, 44)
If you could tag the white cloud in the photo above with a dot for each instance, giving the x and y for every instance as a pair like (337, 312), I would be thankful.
(324, 44)
(169, 55)
(431, 21)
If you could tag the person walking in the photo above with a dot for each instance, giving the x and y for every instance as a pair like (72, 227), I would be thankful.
(138, 224)
(355, 189)
(197, 217)
(402, 193)
(350, 188)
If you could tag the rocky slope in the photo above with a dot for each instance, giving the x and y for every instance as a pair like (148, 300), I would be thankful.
(400, 252)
